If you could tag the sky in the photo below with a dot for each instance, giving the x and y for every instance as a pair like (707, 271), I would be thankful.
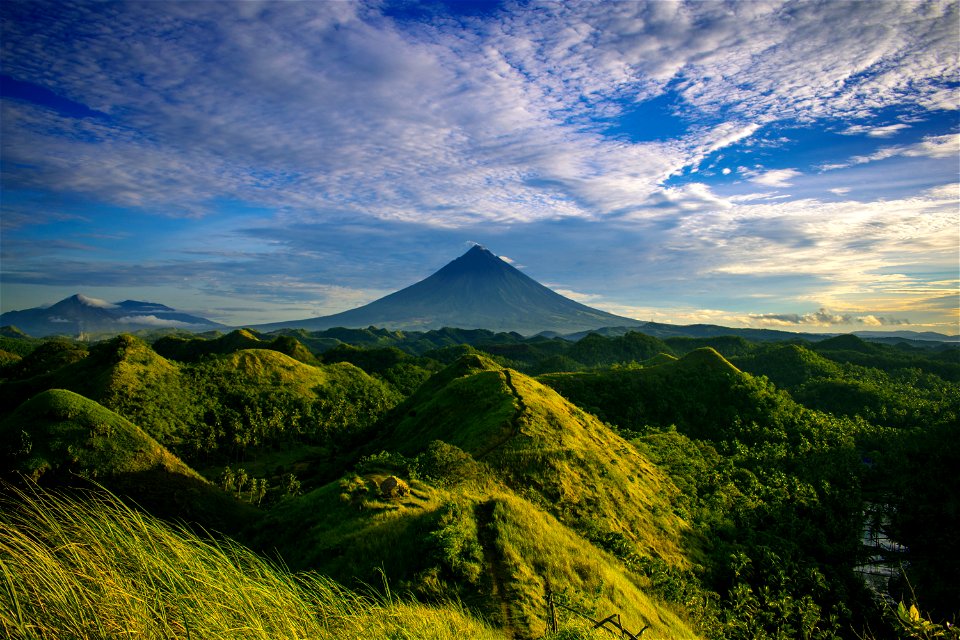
(787, 165)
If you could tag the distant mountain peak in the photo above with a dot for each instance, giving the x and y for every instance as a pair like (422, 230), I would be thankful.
(477, 290)
(479, 249)
(94, 302)
(84, 316)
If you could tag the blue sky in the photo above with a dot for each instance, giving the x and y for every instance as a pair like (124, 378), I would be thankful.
(781, 165)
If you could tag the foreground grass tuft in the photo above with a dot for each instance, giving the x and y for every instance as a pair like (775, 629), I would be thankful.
(95, 568)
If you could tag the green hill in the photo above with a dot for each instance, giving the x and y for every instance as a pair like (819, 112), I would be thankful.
(512, 490)
(541, 444)
(594, 350)
(702, 394)
(482, 545)
(60, 432)
(788, 365)
(59, 437)
(225, 403)
(901, 396)
(48, 356)
(123, 374)
(192, 349)
(91, 568)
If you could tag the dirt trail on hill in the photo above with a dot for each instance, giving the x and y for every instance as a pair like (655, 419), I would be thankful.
(497, 569)
(514, 422)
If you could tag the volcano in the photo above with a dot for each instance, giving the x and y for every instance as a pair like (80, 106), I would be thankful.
(80, 315)
(478, 290)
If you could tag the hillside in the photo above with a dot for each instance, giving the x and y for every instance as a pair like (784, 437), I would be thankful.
(193, 349)
(224, 403)
(706, 487)
(702, 394)
(87, 566)
(123, 374)
(538, 442)
(511, 490)
(58, 437)
(71, 434)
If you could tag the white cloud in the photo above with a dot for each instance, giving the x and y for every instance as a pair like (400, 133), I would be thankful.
(320, 106)
(823, 318)
(945, 146)
(583, 298)
(95, 302)
(154, 321)
(775, 177)
(875, 131)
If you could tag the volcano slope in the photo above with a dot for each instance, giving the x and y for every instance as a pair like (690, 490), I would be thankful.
(509, 492)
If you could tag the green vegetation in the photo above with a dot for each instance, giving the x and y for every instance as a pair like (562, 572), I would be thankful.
(90, 567)
(60, 432)
(702, 487)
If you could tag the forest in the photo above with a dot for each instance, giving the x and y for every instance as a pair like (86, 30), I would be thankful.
(465, 483)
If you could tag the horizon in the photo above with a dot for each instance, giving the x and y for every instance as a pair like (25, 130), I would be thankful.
(785, 166)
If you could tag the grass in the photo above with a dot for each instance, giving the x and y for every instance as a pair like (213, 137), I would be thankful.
(545, 448)
(553, 489)
(95, 568)
(536, 552)
(68, 432)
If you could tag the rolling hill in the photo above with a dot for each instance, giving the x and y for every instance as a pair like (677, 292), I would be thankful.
(517, 493)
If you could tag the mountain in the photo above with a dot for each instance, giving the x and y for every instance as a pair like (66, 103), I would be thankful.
(930, 336)
(80, 314)
(478, 290)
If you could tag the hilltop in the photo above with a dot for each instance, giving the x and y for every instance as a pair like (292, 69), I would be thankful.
(510, 491)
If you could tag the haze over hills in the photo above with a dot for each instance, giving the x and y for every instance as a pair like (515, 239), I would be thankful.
(80, 314)
(478, 290)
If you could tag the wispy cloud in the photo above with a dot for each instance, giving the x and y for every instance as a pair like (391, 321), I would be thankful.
(824, 318)
(885, 131)
(945, 146)
(319, 106)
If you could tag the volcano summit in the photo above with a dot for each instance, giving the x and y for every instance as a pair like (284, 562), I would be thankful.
(478, 290)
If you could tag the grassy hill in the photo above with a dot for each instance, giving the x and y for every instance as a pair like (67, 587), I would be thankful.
(720, 493)
(94, 568)
(124, 374)
(702, 394)
(827, 380)
(228, 403)
(539, 443)
(63, 432)
(59, 438)
(478, 542)
(192, 348)
(511, 491)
